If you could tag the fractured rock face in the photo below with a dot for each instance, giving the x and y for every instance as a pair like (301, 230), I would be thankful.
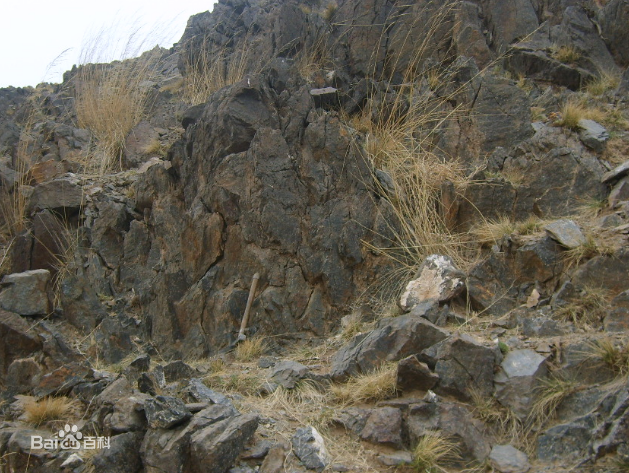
(393, 339)
(437, 280)
(520, 372)
(310, 448)
(26, 293)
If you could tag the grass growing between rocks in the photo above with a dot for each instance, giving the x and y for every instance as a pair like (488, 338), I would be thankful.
(605, 82)
(611, 353)
(49, 409)
(588, 309)
(250, 349)
(433, 451)
(565, 54)
(213, 68)
(112, 91)
(492, 231)
(548, 396)
(573, 111)
(371, 387)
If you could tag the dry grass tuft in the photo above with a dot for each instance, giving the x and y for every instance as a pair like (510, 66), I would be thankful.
(549, 395)
(213, 68)
(507, 427)
(566, 54)
(306, 404)
(434, 450)
(492, 231)
(613, 354)
(605, 82)
(590, 307)
(49, 409)
(371, 387)
(110, 99)
(573, 111)
(244, 383)
(250, 349)
(587, 250)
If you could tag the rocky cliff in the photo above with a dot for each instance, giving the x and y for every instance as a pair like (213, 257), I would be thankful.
(445, 182)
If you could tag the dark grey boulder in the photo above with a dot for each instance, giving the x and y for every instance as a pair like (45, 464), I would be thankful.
(393, 339)
(165, 412)
(27, 293)
(214, 448)
(309, 447)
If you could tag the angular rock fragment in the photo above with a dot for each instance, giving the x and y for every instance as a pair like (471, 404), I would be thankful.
(26, 293)
(437, 280)
(566, 232)
(165, 412)
(520, 373)
(309, 447)
(393, 339)
(508, 459)
(214, 448)
(412, 374)
(288, 373)
(593, 135)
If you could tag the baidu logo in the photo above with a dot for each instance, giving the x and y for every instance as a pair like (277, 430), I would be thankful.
(69, 438)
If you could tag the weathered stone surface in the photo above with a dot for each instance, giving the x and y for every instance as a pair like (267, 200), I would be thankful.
(383, 426)
(26, 293)
(123, 456)
(452, 420)
(462, 364)
(610, 272)
(393, 339)
(177, 370)
(619, 193)
(566, 232)
(309, 447)
(116, 390)
(63, 196)
(214, 448)
(23, 341)
(128, 415)
(612, 19)
(616, 173)
(508, 459)
(593, 135)
(520, 372)
(437, 279)
(510, 22)
(23, 375)
(62, 379)
(288, 373)
(274, 461)
(165, 412)
(617, 319)
(412, 374)
(198, 391)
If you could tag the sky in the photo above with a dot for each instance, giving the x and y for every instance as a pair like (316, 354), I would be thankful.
(40, 39)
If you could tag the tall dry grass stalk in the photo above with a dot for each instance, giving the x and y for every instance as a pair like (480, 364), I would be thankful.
(112, 94)
(401, 126)
(214, 68)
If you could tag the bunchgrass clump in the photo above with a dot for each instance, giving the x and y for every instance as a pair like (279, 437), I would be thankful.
(112, 97)
(574, 111)
(605, 82)
(566, 54)
(250, 349)
(371, 387)
(587, 309)
(49, 409)
(548, 396)
(244, 383)
(611, 353)
(213, 68)
(492, 231)
(433, 451)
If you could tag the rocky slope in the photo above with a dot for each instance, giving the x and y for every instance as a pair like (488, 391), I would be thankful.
(442, 188)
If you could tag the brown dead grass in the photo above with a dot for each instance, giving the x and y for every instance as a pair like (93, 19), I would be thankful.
(49, 409)
(371, 387)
